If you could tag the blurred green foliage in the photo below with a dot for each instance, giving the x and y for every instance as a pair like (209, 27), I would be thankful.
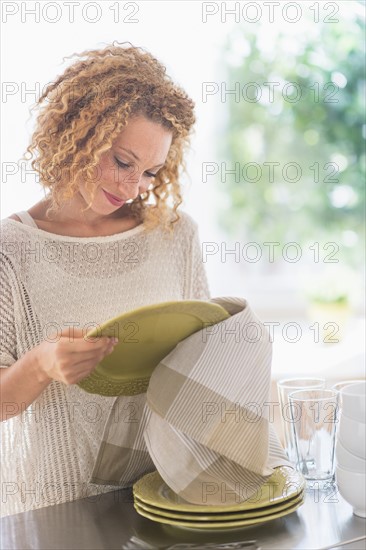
(323, 131)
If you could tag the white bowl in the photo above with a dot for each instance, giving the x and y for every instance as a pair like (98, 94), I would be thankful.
(352, 435)
(338, 386)
(348, 460)
(352, 487)
(354, 401)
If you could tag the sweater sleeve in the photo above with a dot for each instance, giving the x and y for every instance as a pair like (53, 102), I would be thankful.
(198, 283)
(8, 346)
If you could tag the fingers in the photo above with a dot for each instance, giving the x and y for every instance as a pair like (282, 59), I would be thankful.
(79, 360)
(84, 346)
(93, 356)
(88, 358)
(83, 368)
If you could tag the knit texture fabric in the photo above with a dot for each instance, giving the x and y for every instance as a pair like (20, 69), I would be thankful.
(49, 282)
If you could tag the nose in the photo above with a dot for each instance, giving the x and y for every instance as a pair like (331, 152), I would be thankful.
(130, 186)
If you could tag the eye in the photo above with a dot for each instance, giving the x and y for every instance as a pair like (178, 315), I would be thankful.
(125, 166)
(121, 164)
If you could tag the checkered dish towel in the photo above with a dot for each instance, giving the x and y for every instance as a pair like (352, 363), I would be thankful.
(204, 422)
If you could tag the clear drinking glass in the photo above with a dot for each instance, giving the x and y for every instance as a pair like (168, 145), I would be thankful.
(315, 415)
(284, 388)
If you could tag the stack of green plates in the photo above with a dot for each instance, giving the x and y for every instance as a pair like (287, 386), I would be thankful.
(282, 494)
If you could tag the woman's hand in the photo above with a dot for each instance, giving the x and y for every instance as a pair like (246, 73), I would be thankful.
(72, 357)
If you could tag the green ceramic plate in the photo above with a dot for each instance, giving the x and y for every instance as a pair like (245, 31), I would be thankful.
(146, 335)
(233, 516)
(284, 484)
(217, 524)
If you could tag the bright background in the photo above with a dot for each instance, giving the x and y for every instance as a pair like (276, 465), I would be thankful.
(215, 51)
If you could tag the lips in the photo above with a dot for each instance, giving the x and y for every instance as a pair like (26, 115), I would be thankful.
(114, 196)
(116, 201)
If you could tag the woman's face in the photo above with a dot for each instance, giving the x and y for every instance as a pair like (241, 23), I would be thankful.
(129, 167)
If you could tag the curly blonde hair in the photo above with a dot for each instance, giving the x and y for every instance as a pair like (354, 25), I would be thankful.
(89, 104)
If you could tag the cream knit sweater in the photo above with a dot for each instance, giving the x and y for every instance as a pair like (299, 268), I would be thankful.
(49, 282)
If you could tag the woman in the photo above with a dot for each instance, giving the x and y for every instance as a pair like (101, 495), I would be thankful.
(107, 238)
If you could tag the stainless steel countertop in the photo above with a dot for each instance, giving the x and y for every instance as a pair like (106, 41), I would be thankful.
(109, 521)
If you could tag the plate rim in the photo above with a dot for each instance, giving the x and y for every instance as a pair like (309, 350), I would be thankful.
(226, 516)
(219, 525)
(158, 305)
